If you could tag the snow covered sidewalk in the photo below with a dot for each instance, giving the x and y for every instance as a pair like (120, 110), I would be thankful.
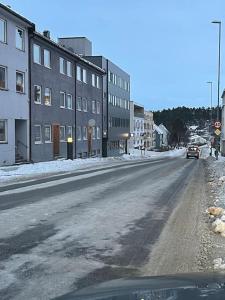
(30, 171)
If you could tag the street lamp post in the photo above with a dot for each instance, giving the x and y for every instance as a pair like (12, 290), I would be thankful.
(218, 84)
(210, 128)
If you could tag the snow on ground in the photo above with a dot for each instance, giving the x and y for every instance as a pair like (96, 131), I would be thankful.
(26, 171)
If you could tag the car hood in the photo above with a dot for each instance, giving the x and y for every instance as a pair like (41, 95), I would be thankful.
(169, 287)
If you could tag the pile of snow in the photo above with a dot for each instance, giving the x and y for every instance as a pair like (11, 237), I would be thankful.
(219, 264)
(147, 154)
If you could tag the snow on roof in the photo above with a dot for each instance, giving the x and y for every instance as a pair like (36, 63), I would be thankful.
(156, 128)
(163, 127)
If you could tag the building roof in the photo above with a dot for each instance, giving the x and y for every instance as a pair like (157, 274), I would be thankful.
(75, 55)
(10, 11)
(156, 128)
(163, 127)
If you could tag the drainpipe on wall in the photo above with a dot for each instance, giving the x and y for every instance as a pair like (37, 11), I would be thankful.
(30, 35)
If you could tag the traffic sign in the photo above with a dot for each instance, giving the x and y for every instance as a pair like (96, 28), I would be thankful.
(217, 124)
(217, 132)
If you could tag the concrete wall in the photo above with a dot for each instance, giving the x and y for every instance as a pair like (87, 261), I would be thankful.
(13, 105)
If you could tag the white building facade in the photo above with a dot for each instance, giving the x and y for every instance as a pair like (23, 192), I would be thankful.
(14, 86)
(138, 130)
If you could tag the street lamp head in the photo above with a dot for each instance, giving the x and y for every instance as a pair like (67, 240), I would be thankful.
(216, 22)
(209, 82)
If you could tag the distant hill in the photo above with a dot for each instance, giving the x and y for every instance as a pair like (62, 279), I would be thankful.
(178, 119)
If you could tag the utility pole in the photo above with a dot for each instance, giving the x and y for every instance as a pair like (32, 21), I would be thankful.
(210, 127)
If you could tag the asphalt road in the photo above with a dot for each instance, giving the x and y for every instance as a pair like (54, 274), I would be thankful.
(77, 230)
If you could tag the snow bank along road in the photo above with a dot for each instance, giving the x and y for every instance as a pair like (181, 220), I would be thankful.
(65, 234)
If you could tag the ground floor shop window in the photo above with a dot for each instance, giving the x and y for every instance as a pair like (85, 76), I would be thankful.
(3, 131)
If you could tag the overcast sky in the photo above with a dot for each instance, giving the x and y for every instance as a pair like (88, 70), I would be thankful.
(169, 47)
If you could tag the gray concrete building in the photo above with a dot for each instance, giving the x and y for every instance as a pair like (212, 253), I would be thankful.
(66, 101)
(116, 98)
(14, 86)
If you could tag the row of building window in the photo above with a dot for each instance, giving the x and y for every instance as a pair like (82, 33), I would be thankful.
(20, 79)
(118, 122)
(19, 35)
(82, 133)
(119, 102)
(82, 104)
(65, 132)
(118, 81)
(65, 66)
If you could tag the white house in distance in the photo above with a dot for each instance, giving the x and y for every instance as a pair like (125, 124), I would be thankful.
(148, 127)
(136, 125)
(166, 135)
(158, 137)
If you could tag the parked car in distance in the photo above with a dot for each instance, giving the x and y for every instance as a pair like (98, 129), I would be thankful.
(193, 151)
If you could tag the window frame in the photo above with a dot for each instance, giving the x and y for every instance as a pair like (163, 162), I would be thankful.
(84, 77)
(79, 130)
(93, 83)
(39, 47)
(85, 129)
(61, 59)
(4, 32)
(38, 142)
(50, 96)
(98, 135)
(71, 97)
(93, 110)
(79, 100)
(23, 73)
(69, 74)
(23, 39)
(62, 93)
(64, 129)
(6, 131)
(85, 100)
(49, 52)
(50, 140)
(6, 78)
(97, 82)
(98, 107)
(67, 134)
(36, 102)
(93, 132)
(79, 73)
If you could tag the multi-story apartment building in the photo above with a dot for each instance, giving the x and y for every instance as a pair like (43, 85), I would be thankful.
(14, 86)
(66, 101)
(138, 131)
(116, 98)
(148, 127)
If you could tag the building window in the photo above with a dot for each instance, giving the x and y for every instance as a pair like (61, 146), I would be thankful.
(62, 65)
(98, 108)
(3, 31)
(47, 58)
(79, 104)
(37, 134)
(93, 107)
(79, 133)
(69, 131)
(69, 68)
(93, 80)
(93, 132)
(84, 133)
(84, 76)
(69, 101)
(3, 131)
(20, 82)
(48, 96)
(20, 39)
(85, 108)
(79, 73)
(3, 76)
(37, 54)
(62, 99)
(98, 82)
(98, 132)
(62, 133)
(37, 94)
(48, 134)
